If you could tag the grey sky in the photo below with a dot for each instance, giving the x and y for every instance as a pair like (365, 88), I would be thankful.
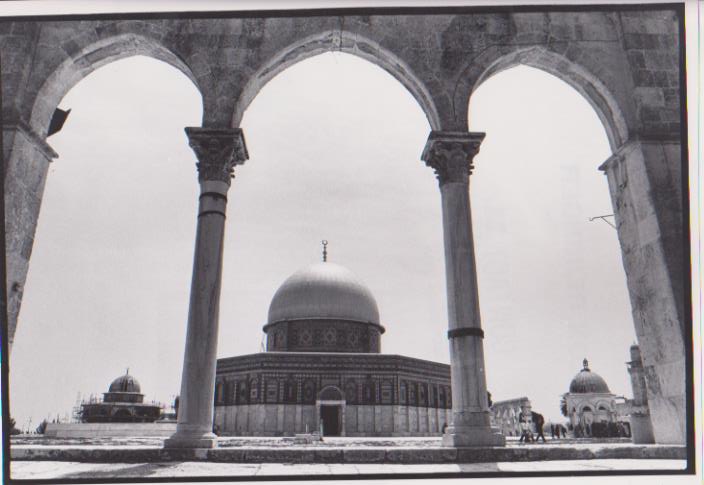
(334, 146)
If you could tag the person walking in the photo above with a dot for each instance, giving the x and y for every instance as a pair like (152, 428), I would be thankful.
(525, 422)
(539, 421)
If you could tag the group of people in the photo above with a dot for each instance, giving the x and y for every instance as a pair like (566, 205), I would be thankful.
(601, 430)
(556, 430)
(528, 418)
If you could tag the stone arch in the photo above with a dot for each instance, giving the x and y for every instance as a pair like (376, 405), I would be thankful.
(331, 393)
(123, 415)
(341, 41)
(606, 405)
(56, 69)
(500, 58)
(87, 59)
(586, 407)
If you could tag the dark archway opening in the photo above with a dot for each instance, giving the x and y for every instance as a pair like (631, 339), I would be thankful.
(331, 416)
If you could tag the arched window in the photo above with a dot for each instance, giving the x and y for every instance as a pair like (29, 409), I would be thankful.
(229, 392)
(403, 393)
(351, 392)
(272, 390)
(290, 391)
(242, 392)
(422, 394)
(309, 391)
(369, 392)
(254, 390)
(413, 394)
(219, 397)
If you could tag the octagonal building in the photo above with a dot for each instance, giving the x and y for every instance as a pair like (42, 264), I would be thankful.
(323, 369)
(123, 403)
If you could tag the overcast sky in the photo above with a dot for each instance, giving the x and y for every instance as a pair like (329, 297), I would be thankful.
(334, 145)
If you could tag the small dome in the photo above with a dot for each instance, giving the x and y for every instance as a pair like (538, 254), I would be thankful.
(126, 383)
(323, 290)
(587, 381)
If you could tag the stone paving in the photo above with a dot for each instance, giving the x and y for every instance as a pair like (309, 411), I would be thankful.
(25, 441)
(601, 456)
(54, 470)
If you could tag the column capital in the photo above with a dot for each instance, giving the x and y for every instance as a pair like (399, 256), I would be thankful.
(218, 151)
(450, 154)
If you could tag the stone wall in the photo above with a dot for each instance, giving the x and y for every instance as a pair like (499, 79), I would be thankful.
(290, 419)
(27, 159)
(109, 430)
(645, 184)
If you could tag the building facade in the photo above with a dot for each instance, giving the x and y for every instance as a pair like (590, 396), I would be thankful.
(123, 403)
(323, 370)
(637, 408)
(505, 415)
(592, 408)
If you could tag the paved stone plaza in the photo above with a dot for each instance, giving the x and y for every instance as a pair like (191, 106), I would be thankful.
(38, 470)
(38, 458)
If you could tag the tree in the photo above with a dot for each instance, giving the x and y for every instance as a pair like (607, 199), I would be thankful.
(563, 406)
(13, 429)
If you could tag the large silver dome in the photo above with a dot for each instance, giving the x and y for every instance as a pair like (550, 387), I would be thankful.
(323, 291)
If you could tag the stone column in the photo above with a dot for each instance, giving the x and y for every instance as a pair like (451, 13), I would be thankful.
(641, 426)
(450, 154)
(218, 151)
(645, 182)
(27, 156)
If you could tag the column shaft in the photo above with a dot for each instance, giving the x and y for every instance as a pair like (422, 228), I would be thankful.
(450, 154)
(217, 153)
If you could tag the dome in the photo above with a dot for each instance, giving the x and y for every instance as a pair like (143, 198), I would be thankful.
(126, 383)
(587, 381)
(323, 291)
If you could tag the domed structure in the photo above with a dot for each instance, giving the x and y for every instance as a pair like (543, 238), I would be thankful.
(587, 381)
(323, 369)
(590, 405)
(126, 383)
(123, 403)
(323, 290)
(323, 308)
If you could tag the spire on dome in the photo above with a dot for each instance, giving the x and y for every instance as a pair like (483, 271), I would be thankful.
(325, 250)
(585, 363)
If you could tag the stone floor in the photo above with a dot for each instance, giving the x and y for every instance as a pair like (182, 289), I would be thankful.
(23, 441)
(47, 467)
(69, 470)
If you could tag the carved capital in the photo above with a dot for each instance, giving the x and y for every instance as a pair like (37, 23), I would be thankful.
(450, 154)
(218, 151)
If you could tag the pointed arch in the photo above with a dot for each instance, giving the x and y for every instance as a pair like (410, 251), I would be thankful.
(598, 95)
(341, 41)
(89, 58)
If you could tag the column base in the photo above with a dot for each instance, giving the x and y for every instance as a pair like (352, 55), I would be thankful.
(181, 441)
(470, 436)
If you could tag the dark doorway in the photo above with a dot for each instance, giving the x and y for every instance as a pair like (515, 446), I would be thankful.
(123, 416)
(331, 420)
